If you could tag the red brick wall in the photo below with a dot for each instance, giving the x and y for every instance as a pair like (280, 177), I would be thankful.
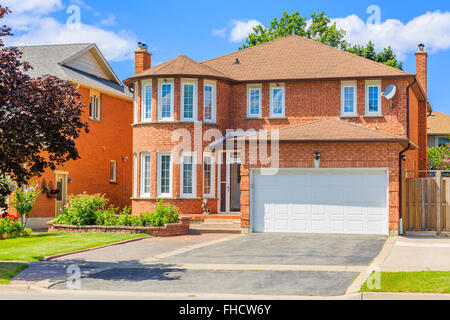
(333, 155)
(109, 139)
(305, 101)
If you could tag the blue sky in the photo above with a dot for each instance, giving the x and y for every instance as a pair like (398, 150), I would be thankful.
(206, 29)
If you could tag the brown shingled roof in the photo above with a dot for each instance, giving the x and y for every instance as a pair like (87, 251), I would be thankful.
(332, 130)
(439, 123)
(179, 66)
(295, 57)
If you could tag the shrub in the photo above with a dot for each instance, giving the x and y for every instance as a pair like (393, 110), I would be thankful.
(10, 227)
(163, 214)
(82, 209)
(439, 158)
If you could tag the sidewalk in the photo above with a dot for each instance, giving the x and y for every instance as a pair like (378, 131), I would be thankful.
(411, 254)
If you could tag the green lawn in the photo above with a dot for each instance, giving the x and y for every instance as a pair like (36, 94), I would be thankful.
(424, 282)
(9, 270)
(42, 245)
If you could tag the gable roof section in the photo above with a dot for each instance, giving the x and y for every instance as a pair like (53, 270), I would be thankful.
(57, 60)
(333, 130)
(179, 66)
(438, 123)
(296, 58)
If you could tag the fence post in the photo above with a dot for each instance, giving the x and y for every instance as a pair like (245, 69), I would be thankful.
(438, 202)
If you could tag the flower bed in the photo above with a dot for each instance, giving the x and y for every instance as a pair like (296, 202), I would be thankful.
(92, 213)
(11, 228)
(168, 230)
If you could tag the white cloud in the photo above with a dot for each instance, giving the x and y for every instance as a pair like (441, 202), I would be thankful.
(219, 32)
(431, 28)
(34, 6)
(240, 29)
(110, 20)
(38, 27)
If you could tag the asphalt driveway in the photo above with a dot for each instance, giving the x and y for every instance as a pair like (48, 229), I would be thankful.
(288, 249)
(255, 264)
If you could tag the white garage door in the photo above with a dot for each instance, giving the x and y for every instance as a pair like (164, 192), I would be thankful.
(321, 201)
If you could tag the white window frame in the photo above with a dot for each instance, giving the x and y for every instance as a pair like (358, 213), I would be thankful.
(135, 175)
(274, 86)
(372, 83)
(147, 83)
(96, 109)
(169, 194)
(212, 84)
(113, 164)
(213, 175)
(162, 82)
(194, 175)
(195, 100)
(144, 194)
(344, 85)
(136, 97)
(251, 88)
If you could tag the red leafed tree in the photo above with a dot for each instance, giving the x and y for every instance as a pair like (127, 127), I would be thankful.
(40, 118)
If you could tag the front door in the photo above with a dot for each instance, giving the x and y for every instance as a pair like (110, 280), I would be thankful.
(61, 186)
(229, 182)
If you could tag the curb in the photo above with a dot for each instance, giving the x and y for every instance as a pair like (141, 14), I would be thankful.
(92, 249)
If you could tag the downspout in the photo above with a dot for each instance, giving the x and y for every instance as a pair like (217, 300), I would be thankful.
(401, 159)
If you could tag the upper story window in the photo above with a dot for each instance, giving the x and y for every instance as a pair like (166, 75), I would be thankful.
(165, 100)
(146, 101)
(187, 174)
(188, 101)
(94, 107)
(348, 98)
(136, 97)
(373, 98)
(277, 101)
(209, 103)
(254, 101)
(165, 174)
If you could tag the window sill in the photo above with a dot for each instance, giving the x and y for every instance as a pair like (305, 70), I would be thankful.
(113, 182)
(277, 118)
(254, 118)
(373, 116)
(173, 122)
(173, 198)
(95, 120)
(349, 116)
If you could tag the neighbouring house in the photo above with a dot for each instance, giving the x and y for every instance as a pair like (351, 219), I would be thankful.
(335, 145)
(105, 152)
(438, 129)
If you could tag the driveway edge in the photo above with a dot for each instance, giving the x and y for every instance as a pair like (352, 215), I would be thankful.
(55, 256)
(376, 263)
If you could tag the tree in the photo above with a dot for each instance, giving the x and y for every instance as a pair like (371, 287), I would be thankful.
(39, 119)
(319, 29)
(438, 158)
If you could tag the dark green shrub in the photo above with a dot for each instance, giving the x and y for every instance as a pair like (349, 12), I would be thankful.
(82, 210)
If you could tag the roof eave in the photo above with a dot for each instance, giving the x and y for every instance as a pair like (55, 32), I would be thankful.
(129, 82)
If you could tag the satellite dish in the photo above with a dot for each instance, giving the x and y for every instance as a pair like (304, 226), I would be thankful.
(389, 93)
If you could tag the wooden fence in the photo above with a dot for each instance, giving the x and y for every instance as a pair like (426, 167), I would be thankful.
(426, 202)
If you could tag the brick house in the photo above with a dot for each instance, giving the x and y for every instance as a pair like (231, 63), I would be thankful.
(438, 129)
(290, 136)
(103, 151)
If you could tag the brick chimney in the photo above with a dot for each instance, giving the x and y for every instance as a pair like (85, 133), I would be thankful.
(142, 58)
(422, 66)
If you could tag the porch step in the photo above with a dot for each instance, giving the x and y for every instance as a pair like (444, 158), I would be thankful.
(213, 226)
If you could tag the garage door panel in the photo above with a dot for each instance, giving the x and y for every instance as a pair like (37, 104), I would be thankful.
(321, 202)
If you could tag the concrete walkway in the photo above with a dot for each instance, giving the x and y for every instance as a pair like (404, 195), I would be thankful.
(418, 254)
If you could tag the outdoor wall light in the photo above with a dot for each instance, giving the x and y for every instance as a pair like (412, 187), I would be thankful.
(317, 160)
(404, 157)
